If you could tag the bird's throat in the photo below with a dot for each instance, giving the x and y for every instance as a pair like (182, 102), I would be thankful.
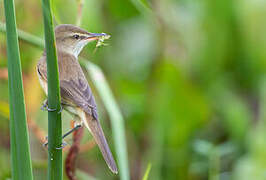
(73, 50)
(78, 48)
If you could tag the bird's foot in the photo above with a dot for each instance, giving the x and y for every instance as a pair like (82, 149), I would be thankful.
(46, 143)
(64, 144)
(77, 126)
(45, 107)
(61, 109)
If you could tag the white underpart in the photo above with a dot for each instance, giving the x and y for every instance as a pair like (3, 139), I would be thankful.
(77, 49)
(82, 116)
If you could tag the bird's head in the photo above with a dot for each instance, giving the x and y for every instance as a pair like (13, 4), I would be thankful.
(72, 39)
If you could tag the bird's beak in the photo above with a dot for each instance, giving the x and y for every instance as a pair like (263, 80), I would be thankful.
(95, 36)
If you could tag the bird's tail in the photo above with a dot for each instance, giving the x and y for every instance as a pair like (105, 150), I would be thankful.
(96, 130)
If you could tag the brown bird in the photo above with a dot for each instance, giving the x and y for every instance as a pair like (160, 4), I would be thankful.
(76, 95)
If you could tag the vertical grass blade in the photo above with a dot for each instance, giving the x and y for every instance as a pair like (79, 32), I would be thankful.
(19, 140)
(116, 117)
(55, 170)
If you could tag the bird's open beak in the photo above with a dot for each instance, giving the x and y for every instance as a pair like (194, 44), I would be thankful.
(95, 36)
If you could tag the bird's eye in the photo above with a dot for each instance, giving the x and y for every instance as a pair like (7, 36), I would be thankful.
(76, 36)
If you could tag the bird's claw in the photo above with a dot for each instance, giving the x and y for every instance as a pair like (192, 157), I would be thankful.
(45, 107)
(61, 109)
(48, 109)
(46, 143)
(64, 144)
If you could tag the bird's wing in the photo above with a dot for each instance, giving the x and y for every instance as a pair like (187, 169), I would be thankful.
(78, 92)
(74, 87)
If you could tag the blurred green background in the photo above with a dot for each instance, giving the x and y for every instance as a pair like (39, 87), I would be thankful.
(189, 77)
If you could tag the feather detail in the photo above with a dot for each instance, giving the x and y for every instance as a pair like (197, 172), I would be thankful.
(96, 130)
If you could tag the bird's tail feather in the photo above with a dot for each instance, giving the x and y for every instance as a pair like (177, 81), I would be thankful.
(96, 130)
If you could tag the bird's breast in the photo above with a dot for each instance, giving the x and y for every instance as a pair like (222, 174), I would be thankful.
(71, 110)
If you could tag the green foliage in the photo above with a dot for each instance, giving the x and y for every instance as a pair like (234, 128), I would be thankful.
(20, 155)
(55, 169)
(188, 76)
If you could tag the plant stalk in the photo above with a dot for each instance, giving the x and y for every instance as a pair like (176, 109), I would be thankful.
(55, 170)
(19, 140)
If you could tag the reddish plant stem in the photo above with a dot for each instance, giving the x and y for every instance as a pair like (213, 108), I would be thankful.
(70, 163)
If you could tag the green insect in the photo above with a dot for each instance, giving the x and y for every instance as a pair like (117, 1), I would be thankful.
(101, 40)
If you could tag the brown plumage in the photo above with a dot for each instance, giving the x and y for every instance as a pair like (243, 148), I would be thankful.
(76, 95)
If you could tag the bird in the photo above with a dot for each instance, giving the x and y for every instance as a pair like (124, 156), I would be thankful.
(76, 94)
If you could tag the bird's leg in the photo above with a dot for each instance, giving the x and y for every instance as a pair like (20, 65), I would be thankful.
(72, 130)
(65, 135)
(77, 126)
(46, 108)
